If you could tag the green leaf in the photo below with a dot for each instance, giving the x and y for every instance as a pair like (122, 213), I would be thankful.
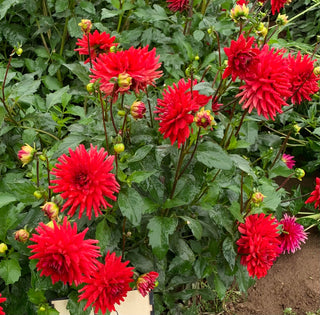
(42, 52)
(139, 176)
(6, 5)
(106, 14)
(36, 296)
(2, 114)
(103, 234)
(55, 98)
(204, 88)
(235, 211)
(194, 225)
(6, 198)
(219, 287)
(198, 35)
(140, 154)
(243, 164)
(76, 307)
(159, 230)
(10, 271)
(61, 5)
(51, 83)
(27, 86)
(88, 7)
(74, 29)
(213, 156)
(130, 204)
(228, 251)
(243, 279)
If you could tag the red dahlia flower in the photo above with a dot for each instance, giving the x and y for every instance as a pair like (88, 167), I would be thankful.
(2, 299)
(140, 65)
(267, 85)
(85, 179)
(303, 80)
(292, 234)
(176, 110)
(315, 195)
(178, 5)
(62, 253)
(99, 43)
(289, 160)
(242, 2)
(146, 282)
(241, 56)
(259, 244)
(108, 285)
(277, 5)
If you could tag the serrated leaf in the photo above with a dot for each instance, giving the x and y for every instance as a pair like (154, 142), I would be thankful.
(106, 14)
(51, 83)
(204, 88)
(140, 154)
(88, 7)
(228, 252)
(194, 225)
(243, 164)
(6, 198)
(130, 203)
(80, 71)
(198, 35)
(6, 5)
(103, 235)
(140, 176)
(235, 211)
(10, 271)
(2, 114)
(55, 98)
(73, 28)
(213, 156)
(219, 287)
(36, 296)
(159, 230)
(76, 307)
(61, 5)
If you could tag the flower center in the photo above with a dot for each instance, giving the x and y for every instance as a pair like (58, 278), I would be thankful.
(81, 180)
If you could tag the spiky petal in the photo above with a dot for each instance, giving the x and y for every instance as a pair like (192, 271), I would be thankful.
(146, 282)
(315, 195)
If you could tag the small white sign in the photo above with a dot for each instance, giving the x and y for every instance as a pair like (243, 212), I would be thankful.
(134, 304)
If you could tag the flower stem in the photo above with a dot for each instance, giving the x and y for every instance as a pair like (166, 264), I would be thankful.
(89, 50)
(103, 121)
(111, 114)
(48, 176)
(296, 198)
(150, 112)
(282, 148)
(285, 181)
(37, 168)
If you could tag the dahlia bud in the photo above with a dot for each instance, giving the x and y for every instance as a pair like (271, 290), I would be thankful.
(90, 87)
(299, 173)
(51, 210)
(296, 128)
(196, 58)
(146, 282)
(86, 26)
(38, 194)
(21, 235)
(204, 118)
(239, 13)
(121, 113)
(19, 51)
(26, 154)
(137, 110)
(50, 224)
(3, 248)
(113, 49)
(262, 30)
(209, 30)
(282, 20)
(118, 148)
(124, 81)
(257, 198)
(316, 70)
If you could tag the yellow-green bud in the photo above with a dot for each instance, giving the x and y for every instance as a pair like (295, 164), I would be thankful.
(86, 26)
(113, 49)
(26, 154)
(90, 87)
(3, 248)
(296, 128)
(42, 157)
(299, 173)
(51, 210)
(257, 198)
(19, 51)
(38, 194)
(21, 235)
(282, 20)
(196, 58)
(121, 113)
(239, 13)
(42, 308)
(118, 148)
(209, 30)
(316, 70)
(262, 30)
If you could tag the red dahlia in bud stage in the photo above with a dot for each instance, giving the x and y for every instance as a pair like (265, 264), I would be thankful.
(140, 65)
(267, 86)
(292, 234)
(62, 253)
(178, 5)
(84, 179)
(176, 110)
(241, 56)
(26, 154)
(302, 78)
(147, 282)
(259, 244)
(315, 195)
(107, 285)
(99, 43)
(137, 110)
(2, 299)
(51, 210)
(21, 235)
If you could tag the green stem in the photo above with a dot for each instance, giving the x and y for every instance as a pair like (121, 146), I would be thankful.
(305, 11)
(149, 106)
(37, 168)
(296, 198)
(281, 150)
(103, 121)
(111, 114)
(285, 181)
(48, 175)
(41, 131)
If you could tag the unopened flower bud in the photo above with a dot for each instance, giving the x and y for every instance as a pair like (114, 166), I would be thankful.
(196, 58)
(121, 113)
(296, 128)
(42, 157)
(19, 51)
(262, 30)
(21, 235)
(137, 110)
(209, 30)
(118, 148)
(203, 118)
(299, 173)
(113, 49)
(316, 70)
(51, 210)
(146, 282)
(42, 308)
(26, 154)
(90, 87)
(282, 20)
(124, 81)
(3, 248)
(86, 26)
(38, 194)
(257, 198)
(239, 13)
(50, 224)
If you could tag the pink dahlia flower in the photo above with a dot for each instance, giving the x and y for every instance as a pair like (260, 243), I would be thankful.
(292, 235)
(289, 160)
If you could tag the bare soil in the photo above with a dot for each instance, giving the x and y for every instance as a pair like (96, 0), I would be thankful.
(293, 281)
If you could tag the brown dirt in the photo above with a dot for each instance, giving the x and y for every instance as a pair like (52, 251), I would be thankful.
(293, 281)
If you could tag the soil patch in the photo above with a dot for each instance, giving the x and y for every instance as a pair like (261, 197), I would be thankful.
(293, 281)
